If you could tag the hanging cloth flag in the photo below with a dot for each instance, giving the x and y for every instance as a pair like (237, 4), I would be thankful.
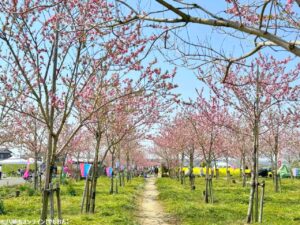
(81, 165)
(108, 171)
(86, 169)
(26, 174)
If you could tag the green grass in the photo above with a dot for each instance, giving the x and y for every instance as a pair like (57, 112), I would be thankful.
(11, 169)
(231, 202)
(110, 209)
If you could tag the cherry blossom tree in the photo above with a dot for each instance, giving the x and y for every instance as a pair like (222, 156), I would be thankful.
(209, 115)
(277, 122)
(130, 118)
(80, 147)
(31, 135)
(53, 52)
(6, 104)
(252, 91)
(241, 132)
(136, 103)
(174, 143)
(290, 151)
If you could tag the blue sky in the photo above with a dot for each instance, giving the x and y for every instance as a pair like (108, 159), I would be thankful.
(186, 79)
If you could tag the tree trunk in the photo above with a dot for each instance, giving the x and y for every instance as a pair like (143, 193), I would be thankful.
(116, 182)
(128, 169)
(244, 170)
(52, 139)
(123, 177)
(253, 198)
(48, 174)
(94, 176)
(36, 176)
(119, 168)
(217, 169)
(181, 169)
(120, 177)
(275, 176)
(78, 173)
(62, 169)
(227, 171)
(112, 175)
(206, 194)
(192, 176)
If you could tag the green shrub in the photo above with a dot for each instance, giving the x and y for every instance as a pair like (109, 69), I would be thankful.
(23, 187)
(65, 181)
(71, 190)
(2, 209)
(30, 191)
(27, 188)
(4, 191)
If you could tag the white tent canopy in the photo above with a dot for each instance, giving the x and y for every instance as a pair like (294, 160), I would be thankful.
(18, 161)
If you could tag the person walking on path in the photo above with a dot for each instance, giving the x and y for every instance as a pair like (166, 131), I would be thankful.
(156, 171)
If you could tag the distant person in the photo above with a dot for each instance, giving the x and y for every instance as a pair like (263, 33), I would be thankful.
(151, 170)
(156, 171)
(19, 172)
(201, 172)
(145, 173)
(22, 172)
(54, 170)
(0, 172)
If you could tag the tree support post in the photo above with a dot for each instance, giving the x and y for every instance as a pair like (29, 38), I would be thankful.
(261, 202)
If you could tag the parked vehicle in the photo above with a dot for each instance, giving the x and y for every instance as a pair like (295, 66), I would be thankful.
(265, 172)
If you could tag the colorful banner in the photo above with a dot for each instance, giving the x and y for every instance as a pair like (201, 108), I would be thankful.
(296, 172)
(26, 173)
(84, 169)
(109, 171)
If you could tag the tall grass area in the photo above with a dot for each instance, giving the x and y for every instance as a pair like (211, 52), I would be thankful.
(231, 202)
(110, 209)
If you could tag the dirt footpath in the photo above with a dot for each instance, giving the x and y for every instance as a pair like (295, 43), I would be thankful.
(150, 210)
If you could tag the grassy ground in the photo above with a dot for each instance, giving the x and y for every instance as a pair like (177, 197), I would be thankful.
(110, 209)
(11, 169)
(231, 202)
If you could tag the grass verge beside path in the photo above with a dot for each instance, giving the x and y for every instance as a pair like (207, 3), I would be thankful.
(231, 202)
(110, 209)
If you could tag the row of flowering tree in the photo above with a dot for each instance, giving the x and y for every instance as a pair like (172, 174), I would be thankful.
(248, 116)
(253, 91)
(66, 61)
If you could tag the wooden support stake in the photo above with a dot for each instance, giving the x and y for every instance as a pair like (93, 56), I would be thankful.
(51, 203)
(40, 175)
(123, 178)
(261, 202)
(84, 194)
(87, 204)
(117, 175)
(58, 203)
(211, 192)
